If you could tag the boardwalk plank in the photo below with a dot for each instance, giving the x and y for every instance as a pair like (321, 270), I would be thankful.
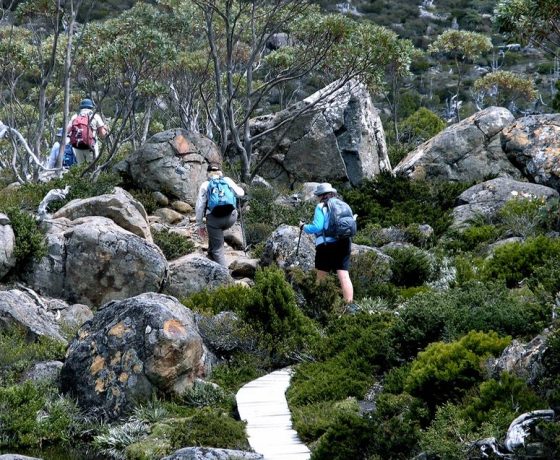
(262, 404)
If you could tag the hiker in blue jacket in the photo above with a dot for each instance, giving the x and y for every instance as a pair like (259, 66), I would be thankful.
(331, 254)
(216, 222)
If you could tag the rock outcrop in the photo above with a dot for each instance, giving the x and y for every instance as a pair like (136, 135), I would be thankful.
(489, 197)
(91, 260)
(281, 248)
(172, 162)
(340, 138)
(533, 145)
(208, 453)
(467, 151)
(7, 246)
(119, 206)
(131, 349)
(193, 273)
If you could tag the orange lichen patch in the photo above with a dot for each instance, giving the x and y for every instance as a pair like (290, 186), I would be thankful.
(83, 334)
(552, 151)
(97, 364)
(115, 391)
(182, 145)
(137, 368)
(99, 386)
(116, 359)
(173, 327)
(123, 378)
(118, 330)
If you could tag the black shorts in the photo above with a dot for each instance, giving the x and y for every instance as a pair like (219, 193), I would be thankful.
(333, 256)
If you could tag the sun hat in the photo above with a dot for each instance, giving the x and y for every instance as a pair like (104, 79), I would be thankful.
(214, 167)
(87, 104)
(323, 188)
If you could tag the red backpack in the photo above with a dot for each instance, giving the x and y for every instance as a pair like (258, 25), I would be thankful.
(81, 133)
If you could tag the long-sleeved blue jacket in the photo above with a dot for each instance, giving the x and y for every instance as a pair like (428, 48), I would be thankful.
(319, 224)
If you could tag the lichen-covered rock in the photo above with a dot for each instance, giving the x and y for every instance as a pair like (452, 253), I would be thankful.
(172, 162)
(119, 206)
(131, 349)
(532, 143)
(44, 372)
(340, 139)
(91, 260)
(20, 309)
(193, 273)
(208, 453)
(487, 198)
(465, 152)
(281, 248)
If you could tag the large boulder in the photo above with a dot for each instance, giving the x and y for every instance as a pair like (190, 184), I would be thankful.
(211, 453)
(91, 260)
(131, 349)
(281, 248)
(193, 273)
(487, 198)
(173, 162)
(21, 310)
(338, 139)
(465, 152)
(119, 206)
(533, 145)
(7, 246)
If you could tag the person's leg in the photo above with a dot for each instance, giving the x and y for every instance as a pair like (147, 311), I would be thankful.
(346, 285)
(79, 154)
(215, 239)
(321, 275)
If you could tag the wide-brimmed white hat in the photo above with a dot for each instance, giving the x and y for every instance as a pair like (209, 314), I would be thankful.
(323, 188)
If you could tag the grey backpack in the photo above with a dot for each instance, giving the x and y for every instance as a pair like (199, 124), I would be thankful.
(341, 220)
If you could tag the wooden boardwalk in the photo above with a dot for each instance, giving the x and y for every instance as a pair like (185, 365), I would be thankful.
(262, 404)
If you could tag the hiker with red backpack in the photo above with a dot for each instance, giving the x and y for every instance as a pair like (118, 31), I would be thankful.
(217, 201)
(84, 129)
(333, 226)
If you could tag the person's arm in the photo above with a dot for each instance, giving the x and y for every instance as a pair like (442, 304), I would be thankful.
(54, 154)
(318, 221)
(101, 129)
(236, 188)
(200, 206)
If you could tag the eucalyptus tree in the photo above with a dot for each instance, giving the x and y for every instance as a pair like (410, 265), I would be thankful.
(505, 88)
(536, 22)
(463, 47)
(245, 72)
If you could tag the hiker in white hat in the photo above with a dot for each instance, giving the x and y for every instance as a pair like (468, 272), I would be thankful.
(331, 253)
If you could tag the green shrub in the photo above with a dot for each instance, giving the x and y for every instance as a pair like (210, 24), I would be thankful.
(549, 215)
(514, 262)
(444, 371)
(420, 126)
(313, 420)
(172, 244)
(146, 197)
(411, 266)
(240, 369)
(370, 273)
(471, 238)
(226, 334)
(203, 394)
(520, 217)
(354, 349)
(113, 440)
(224, 298)
(30, 241)
(397, 201)
(209, 427)
(17, 354)
(549, 385)
(447, 315)
(320, 299)
(34, 415)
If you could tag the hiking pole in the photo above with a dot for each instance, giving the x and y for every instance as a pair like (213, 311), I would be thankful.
(299, 239)
(242, 227)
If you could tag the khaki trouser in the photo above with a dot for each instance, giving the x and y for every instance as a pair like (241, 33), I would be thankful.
(216, 226)
(86, 155)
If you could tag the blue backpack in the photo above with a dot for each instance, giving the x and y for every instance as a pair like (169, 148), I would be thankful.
(341, 220)
(69, 157)
(221, 200)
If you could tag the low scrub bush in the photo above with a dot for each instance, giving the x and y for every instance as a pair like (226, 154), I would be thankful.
(172, 244)
(397, 201)
(209, 427)
(471, 238)
(239, 369)
(445, 371)
(146, 197)
(113, 440)
(18, 354)
(204, 394)
(520, 217)
(420, 126)
(447, 315)
(34, 415)
(30, 241)
(515, 262)
(411, 266)
(370, 273)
